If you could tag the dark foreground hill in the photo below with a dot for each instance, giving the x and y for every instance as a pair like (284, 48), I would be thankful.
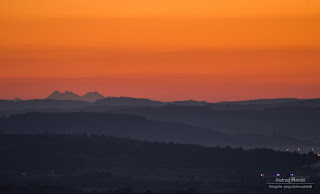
(122, 125)
(100, 162)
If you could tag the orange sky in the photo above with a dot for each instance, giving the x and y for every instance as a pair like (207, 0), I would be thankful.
(168, 50)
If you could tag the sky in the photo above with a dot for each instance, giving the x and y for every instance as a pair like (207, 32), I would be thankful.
(164, 50)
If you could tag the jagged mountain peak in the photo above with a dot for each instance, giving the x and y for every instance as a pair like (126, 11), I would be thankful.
(69, 95)
(56, 92)
(95, 92)
(92, 96)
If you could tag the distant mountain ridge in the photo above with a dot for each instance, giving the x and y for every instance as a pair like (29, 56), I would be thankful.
(127, 101)
(98, 99)
(68, 95)
(262, 101)
(94, 101)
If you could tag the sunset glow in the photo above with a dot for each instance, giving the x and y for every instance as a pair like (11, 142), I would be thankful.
(163, 50)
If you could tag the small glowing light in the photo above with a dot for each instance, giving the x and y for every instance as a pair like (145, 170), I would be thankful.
(261, 174)
(318, 154)
(312, 149)
(298, 149)
(278, 174)
(291, 174)
(288, 150)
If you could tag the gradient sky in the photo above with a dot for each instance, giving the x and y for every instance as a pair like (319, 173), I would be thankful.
(166, 50)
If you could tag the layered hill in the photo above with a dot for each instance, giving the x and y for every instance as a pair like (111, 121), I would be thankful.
(137, 127)
(297, 118)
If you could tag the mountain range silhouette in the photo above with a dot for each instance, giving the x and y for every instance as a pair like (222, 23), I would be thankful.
(68, 95)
